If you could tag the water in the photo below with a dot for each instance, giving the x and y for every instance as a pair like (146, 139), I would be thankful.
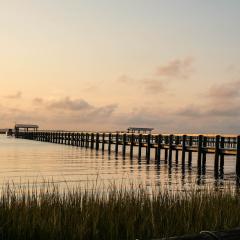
(26, 161)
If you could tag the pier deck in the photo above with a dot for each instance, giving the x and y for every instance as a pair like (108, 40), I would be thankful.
(186, 144)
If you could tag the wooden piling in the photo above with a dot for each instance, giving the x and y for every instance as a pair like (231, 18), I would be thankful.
(148, 148)
(176, 151)
(97, 141)
(131, 145)
(238, 157)
(184, 137)
(170, 148)
(190, 152)
(166, 150)
(124, 145)
(222, 142)
(109, 142)
(159, 143)
(103, 141)
(116, 143)
(139, 146)
(200, 139)
(92, 140)
(204, 154)
(216, 161)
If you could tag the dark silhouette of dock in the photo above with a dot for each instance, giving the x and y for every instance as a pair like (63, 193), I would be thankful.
(175, 146)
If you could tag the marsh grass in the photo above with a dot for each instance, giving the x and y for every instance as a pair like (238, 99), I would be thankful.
(47, 213)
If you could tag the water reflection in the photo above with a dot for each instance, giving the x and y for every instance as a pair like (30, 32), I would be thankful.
(24, 161)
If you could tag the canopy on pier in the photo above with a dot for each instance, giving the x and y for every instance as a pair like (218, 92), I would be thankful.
(25, 127)
(139, 129)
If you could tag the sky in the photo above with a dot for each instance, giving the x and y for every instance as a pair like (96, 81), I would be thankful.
(106, 65)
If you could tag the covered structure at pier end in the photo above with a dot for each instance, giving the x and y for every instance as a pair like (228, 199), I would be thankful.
(139, 130)
(25, 128)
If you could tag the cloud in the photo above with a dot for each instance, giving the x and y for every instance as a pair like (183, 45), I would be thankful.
(176, 68)
(225, 91)
(63, 113)
(190, 111)
(38, 100)
(153, 86)
(70, 104)
(125, 79)
(149, 85)
(17, 95)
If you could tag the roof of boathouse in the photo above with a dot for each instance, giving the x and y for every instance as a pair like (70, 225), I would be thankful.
(139, 129)
(26, 126)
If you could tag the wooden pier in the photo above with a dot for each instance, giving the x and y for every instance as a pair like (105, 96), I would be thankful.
(171, 144)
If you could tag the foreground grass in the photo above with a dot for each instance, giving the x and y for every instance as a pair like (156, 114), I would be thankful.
(118, 214)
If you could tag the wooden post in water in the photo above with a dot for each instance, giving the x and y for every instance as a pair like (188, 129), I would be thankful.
(159, 142)
(222, 141)
(65, 138)
(103, 141)
(200, 139)
(184, 137)
(78, 139)
(97, 141)
(190, 151)
(216, 161)
(69, 138)
(166, 150)
(170, 148)
(124, 145)
(238, 157)
(116, 144)
(131, 145)
(92, 140)
(148, 148)
(204, 154)
(176, 144)
(109, 142)
(73, 139)
(139, 146)
(85, 142)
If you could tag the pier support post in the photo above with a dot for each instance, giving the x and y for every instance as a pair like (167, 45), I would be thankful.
(116, 143)
(184, 137)
(92, 140)
(200, 139)
(204, 154)
(190, 151)
(170, 148)
(103, 141)
(139, 146)
(222, 141)
(87, 140)
(159, 142)
(166, 150)
(216, 161)
(238, 157)
(176, 144)
(131, 145)
(109, 142)
(124, 145)
(97, 141)
(148, 148)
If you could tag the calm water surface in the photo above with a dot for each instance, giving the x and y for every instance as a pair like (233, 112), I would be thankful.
(25, 161)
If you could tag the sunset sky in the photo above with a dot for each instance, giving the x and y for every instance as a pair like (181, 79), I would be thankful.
(106, 65)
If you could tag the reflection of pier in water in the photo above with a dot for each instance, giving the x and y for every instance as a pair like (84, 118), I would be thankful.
(177, 147)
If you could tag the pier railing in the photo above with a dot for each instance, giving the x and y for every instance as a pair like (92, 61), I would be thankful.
(182, 145)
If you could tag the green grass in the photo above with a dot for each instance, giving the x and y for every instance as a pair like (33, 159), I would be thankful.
(47, 213)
